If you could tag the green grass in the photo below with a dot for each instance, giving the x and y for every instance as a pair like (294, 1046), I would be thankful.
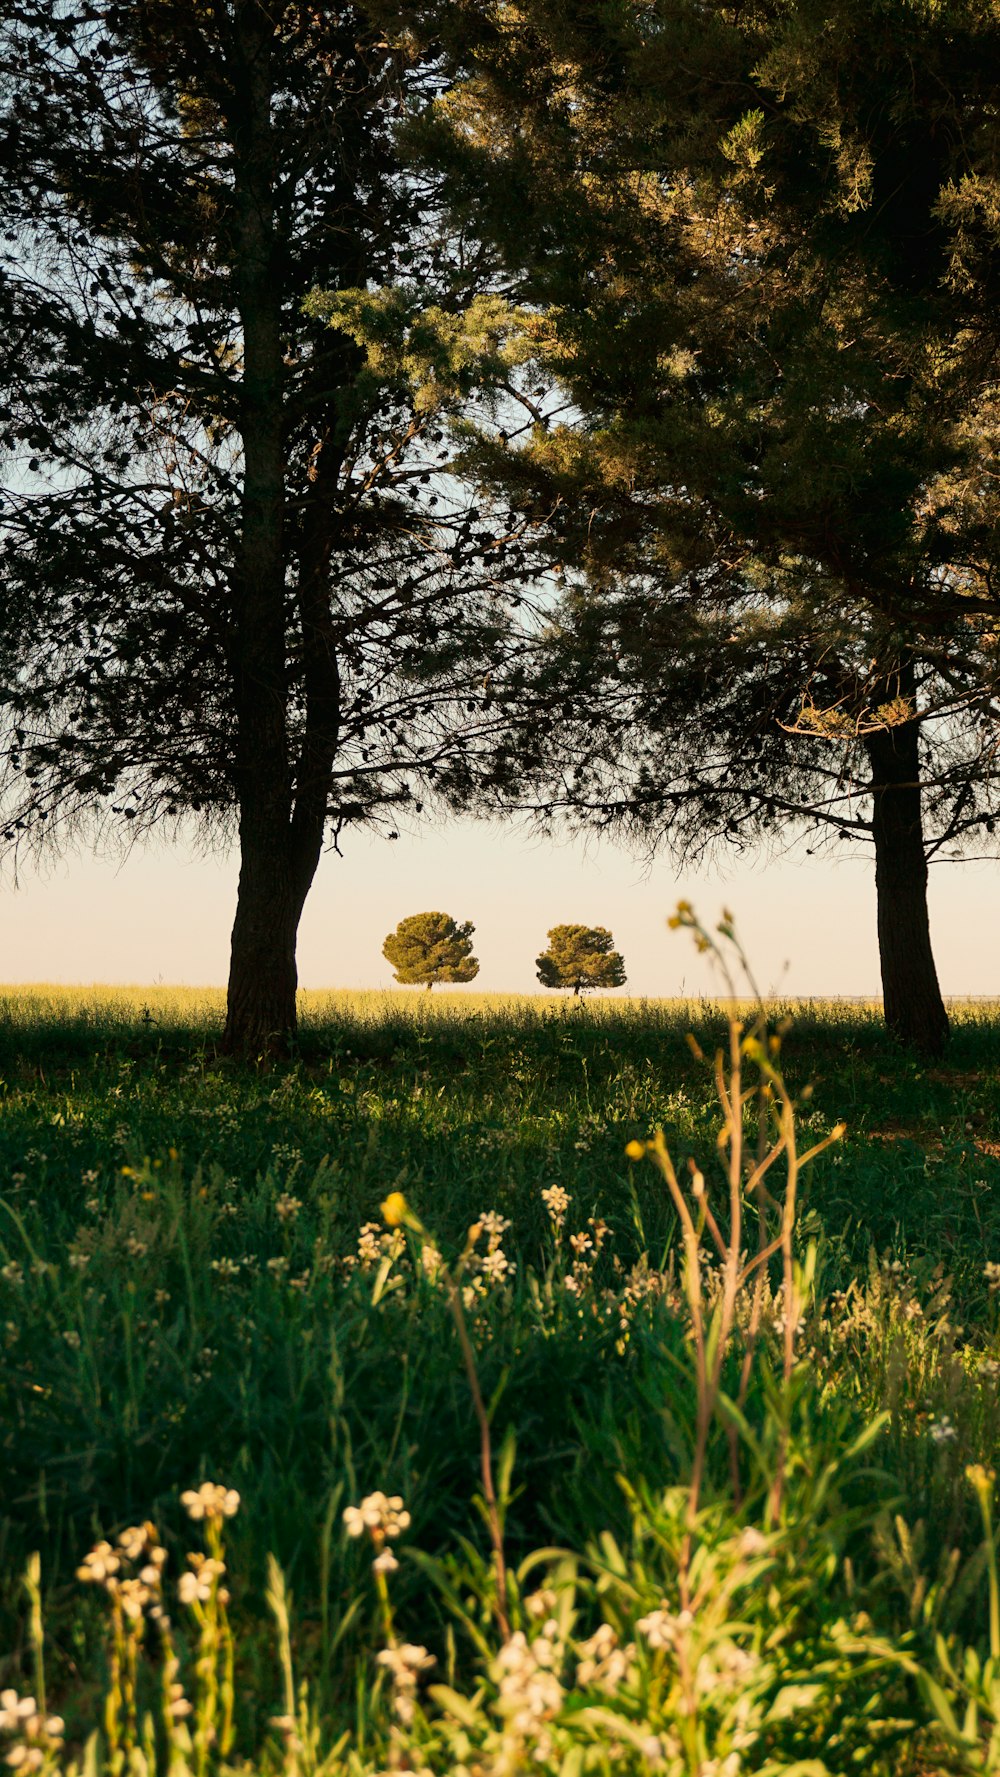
(164, 1321)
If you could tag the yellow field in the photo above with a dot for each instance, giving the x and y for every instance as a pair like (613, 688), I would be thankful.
(204, 1007)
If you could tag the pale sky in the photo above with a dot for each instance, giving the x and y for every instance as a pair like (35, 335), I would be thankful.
(164, 915)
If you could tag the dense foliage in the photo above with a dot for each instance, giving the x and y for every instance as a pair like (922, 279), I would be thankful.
(580, 957)
(236, 586)
(758, 249)
(430, 947)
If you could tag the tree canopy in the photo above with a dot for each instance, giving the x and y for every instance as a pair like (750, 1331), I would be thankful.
(759, 249)
(245, 592)
(430, 948)
(580, 957)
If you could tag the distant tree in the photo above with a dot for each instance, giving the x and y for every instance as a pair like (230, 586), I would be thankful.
(580, 957)
(430, 947)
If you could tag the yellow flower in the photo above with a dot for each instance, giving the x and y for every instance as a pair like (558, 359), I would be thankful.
(635, 1150)
(394, 1209)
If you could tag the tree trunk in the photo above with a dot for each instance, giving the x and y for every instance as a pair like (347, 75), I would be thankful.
(261, 1014)
(283, 800)
(914, 1009)
(262, 977)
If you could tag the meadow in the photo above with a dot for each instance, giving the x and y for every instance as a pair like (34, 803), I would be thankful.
(712, 1532)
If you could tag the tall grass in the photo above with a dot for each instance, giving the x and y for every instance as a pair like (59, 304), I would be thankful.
(196, 1284)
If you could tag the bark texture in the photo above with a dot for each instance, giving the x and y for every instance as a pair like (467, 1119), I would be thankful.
(914, 1009)
(282, 802)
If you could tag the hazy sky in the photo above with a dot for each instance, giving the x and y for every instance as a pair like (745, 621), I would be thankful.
(165, 915)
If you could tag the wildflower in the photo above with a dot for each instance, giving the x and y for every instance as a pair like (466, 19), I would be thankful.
(602, 1663)
(635, 1150)
(78, 1259)
(495, 1266)
(530, 1694)
(383, 1516)
(211, 1501)
(39, 1734)
(196, 1586)
(287, 1206)
(431, 1261)
(493, 1225)
(12, 1273)
(225, 1269)
(981, 1478)
(370, 1244)
(161, 1298)
(405, 1664)
(278, 1265)
(580, 1243)
(942, 1430)
(142, 1541)
(136, 1248)
(15, 1711)
(99, 1566)
(385, 1562)
(556, 1201)
(72, 1338)
(991, 1272)
(394, 1209)
(662, 1629)
(540, 1605)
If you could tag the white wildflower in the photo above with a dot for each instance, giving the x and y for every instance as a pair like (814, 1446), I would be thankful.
(196, 1586)
(663, 1629)
(495, 1265)
(210, 1501)
(100, 1565)
(602, 1663)
(556, 1201)
(383, 1516)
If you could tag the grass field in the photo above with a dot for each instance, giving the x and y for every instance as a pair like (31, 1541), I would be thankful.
(197, 1284)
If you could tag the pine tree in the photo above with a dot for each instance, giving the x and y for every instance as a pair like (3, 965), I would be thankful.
(580, 957)
(245, 596)
(429, 948)
(772, 308)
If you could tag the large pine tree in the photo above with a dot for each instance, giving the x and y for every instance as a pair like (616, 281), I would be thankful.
(761, 245)
(237, 587)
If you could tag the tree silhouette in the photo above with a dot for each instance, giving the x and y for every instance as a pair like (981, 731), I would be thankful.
(430, 947)
(580, 957)
(234, 585)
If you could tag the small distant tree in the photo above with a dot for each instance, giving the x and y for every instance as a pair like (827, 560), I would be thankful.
(580, 957)
(430, 947)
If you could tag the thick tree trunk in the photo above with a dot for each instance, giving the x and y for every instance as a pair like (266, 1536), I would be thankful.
(261, 1007)
(283, 789)
(914, 1009)
(263, 977)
